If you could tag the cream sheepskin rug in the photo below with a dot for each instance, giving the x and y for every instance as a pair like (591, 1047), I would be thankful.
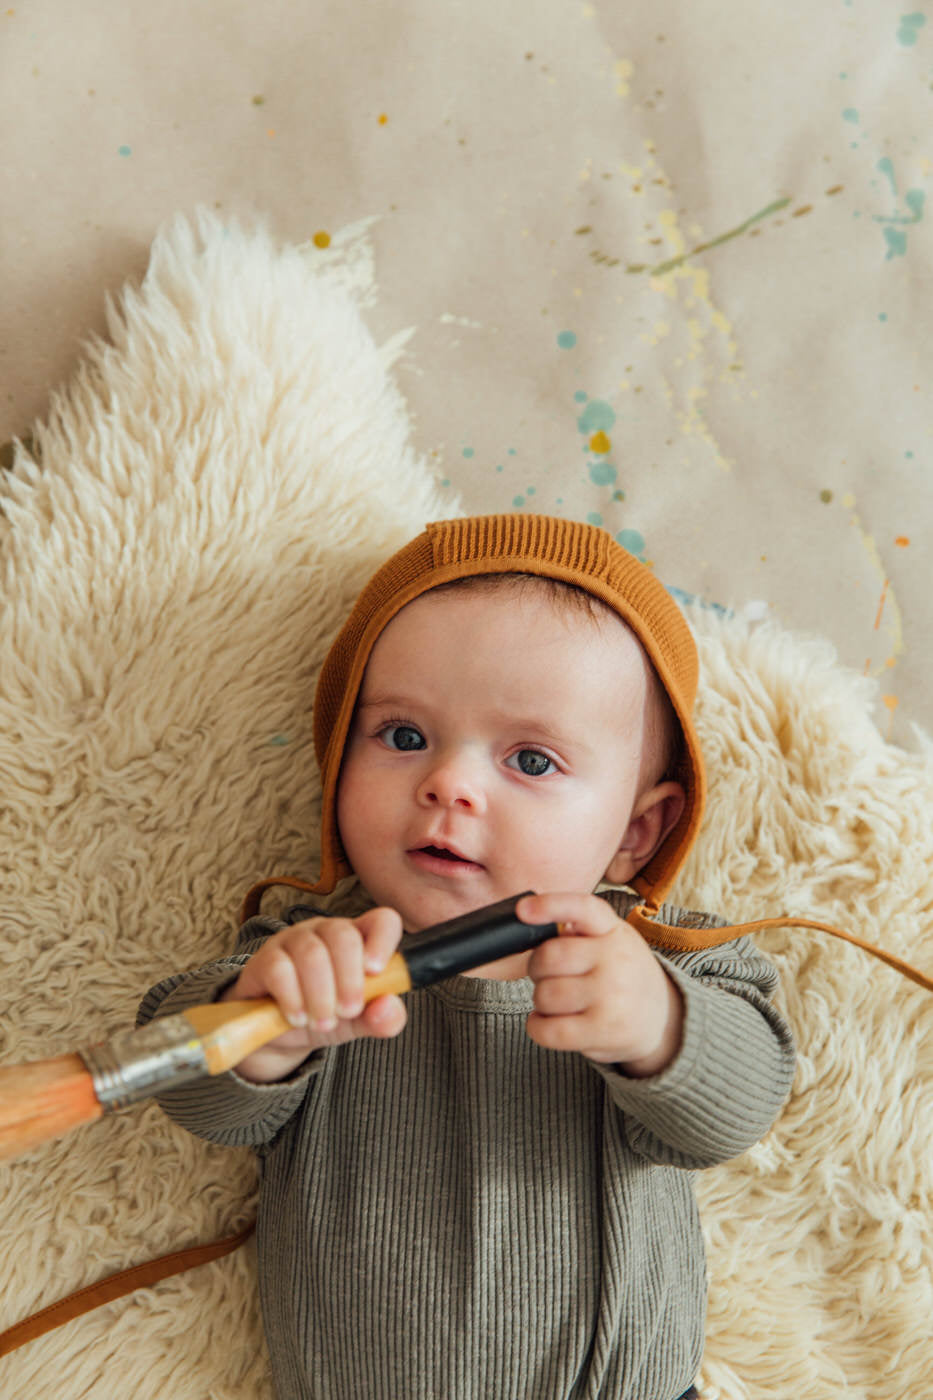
(177, 549)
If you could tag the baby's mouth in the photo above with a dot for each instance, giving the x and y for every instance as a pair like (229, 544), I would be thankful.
(430, 854)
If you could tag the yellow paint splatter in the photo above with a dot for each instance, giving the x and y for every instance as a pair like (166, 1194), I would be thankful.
(600, 443)
(902, 541)
(321, 239)
(623, 71)
(382, 118)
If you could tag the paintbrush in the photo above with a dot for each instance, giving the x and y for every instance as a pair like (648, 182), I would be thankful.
(47, 1098)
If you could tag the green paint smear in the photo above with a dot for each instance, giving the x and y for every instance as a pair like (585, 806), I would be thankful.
(659, 269)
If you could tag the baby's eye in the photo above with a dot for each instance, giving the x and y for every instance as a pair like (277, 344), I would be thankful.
(532, 762)
(403, 737)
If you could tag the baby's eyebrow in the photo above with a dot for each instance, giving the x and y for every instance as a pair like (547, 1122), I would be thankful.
(384, 701)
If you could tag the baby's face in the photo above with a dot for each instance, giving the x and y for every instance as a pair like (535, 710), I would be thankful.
(496, 748)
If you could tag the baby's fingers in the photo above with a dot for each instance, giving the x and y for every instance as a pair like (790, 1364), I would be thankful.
(382, 930)
(384, 1017)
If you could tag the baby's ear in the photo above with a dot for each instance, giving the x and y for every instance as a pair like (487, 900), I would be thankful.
(654, 815)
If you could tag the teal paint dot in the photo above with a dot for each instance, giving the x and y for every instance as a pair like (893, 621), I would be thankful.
(580, 396)
(602, 473)
(566, 340)
(469, 452)
(908, 454)
(594, 518)
(446, 481)
(850, 115)
(279, 741)
(518, 502)
(125, 151)
(882, 316)
(500, 468)
(910, 25)
(632, 541)
(915, 201)
(512, 452)
(531, 490)
(598, 416)
(896, 241)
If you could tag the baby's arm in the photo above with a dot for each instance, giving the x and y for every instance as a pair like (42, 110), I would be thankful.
(314, 971)
(725, 1083)
(599, 989)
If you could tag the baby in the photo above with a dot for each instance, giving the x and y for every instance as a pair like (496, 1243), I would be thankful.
(485, 1190)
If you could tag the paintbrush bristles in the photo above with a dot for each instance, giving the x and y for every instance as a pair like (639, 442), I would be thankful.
(42, 1100)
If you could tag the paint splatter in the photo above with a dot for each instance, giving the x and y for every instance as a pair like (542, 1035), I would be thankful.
(902, 541)
(850, 114)
(383, 119)
(909, 30)
(321, 239)
(660, 269)
(125, 151)
(566, 340)
(894, 225)
(600, 444)
(258, 100)
(826, 497)
(598, 416)
(602, 473)
(632, 541)
(469, 452)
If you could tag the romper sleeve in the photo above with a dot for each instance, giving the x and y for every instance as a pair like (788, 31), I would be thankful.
(726, 1085)
(224, 1108)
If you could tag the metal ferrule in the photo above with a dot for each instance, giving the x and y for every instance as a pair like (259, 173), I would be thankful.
(133, 1065)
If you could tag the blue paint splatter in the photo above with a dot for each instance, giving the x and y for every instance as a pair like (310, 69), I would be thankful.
(518, 502)
(580, 396)
(602, 473)
(894, 225)
(566, 340)
(469, 452)
(594, 518)
(850, 115)
(279, 741)
(125, 151)
(910, 27)
(632, 541)
(597, 417)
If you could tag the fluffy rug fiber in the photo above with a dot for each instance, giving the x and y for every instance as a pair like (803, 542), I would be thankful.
(177, 549)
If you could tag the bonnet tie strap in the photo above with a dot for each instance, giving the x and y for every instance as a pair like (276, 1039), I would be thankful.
(674, 939)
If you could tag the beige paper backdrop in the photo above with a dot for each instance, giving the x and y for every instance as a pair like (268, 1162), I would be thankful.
(666, 265)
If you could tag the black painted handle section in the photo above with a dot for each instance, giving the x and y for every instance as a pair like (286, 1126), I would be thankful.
(471, 940)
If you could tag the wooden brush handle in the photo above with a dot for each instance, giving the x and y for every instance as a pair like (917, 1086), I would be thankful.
(231, 1030)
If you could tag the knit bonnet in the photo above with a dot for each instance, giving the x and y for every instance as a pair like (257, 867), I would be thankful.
(566, 550)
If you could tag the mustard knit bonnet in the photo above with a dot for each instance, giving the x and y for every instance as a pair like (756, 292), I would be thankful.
(567, 550)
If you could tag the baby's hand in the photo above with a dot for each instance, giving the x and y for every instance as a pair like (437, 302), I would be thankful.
(314, 971)
(598, 987)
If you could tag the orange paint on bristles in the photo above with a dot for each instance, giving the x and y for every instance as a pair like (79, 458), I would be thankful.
(40, 1101)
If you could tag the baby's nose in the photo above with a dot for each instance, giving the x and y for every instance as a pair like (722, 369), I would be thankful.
(454, 783)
